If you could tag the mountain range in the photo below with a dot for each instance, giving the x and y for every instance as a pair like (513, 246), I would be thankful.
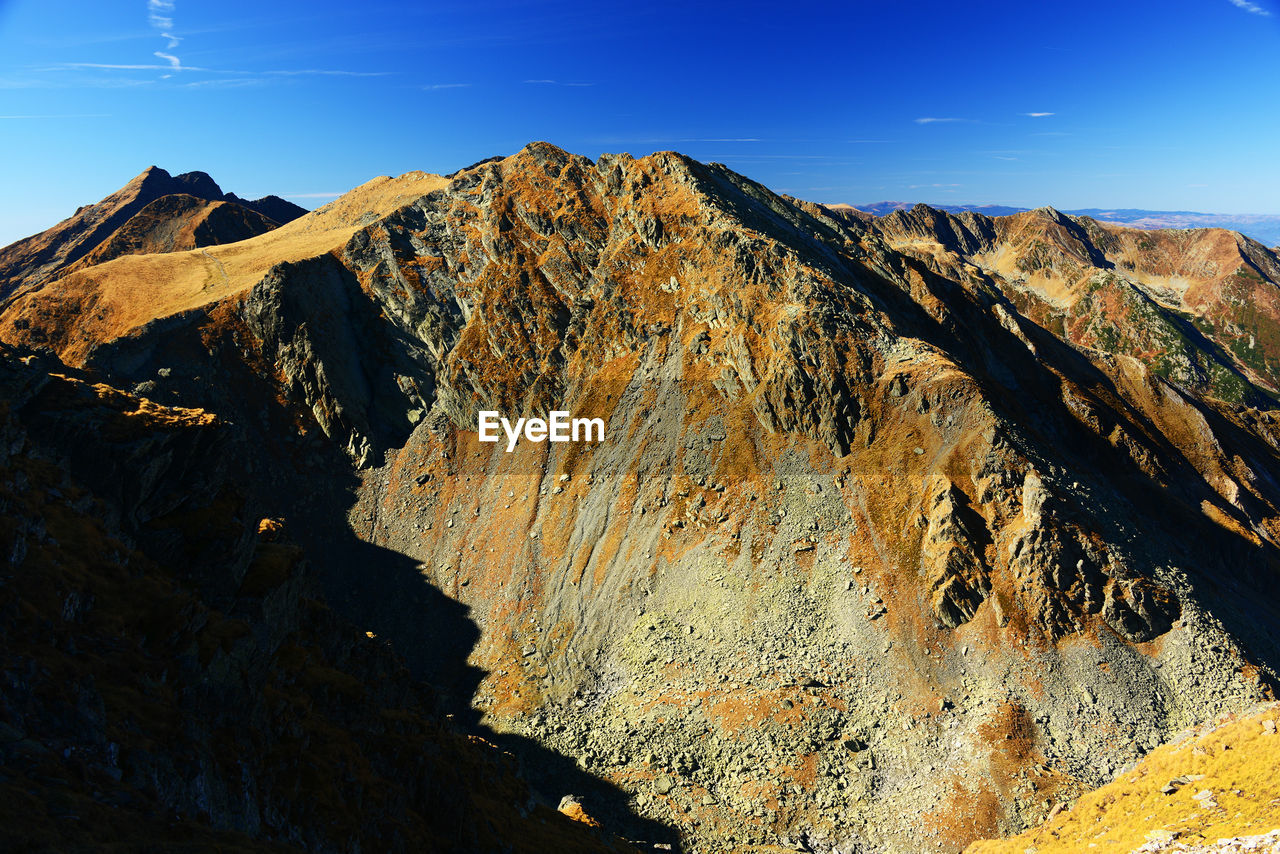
(1265, 228)
(907, 531)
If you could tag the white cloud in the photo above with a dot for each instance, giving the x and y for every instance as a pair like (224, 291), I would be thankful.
(160, 16)
(174, 64)
(1037, 115)
(434, 86)
(1252, 8)
(930, 120)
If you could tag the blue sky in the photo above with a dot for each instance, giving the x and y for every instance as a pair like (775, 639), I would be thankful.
(1164, 105)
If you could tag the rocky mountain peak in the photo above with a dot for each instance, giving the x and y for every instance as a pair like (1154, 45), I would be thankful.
(198, 184)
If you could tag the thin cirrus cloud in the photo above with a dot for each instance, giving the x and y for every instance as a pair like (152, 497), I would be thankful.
(935, 120)
(160, 17)
(435, 86)
(1251, 8)
(175, 66)
(1037, 115)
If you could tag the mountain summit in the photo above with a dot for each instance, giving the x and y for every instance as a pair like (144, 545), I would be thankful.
(903, 530)
(129, 221)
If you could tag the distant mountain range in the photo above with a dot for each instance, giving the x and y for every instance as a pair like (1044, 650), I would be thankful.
(1264, 228)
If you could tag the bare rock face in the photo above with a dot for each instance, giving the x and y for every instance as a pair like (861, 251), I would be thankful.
(951, 557)
(874, 552)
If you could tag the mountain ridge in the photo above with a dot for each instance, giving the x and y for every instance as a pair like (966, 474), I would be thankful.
(34, 260)
(890, 543)
(1265, 228)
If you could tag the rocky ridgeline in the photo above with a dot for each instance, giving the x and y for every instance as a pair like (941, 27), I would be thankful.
(870, 555)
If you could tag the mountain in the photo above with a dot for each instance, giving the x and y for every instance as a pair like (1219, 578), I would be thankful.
(885, 208)
(902, 530)
(155, 212)
(1263, 228)
(1199, 307)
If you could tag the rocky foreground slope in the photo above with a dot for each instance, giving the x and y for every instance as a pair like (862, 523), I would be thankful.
(888, 546)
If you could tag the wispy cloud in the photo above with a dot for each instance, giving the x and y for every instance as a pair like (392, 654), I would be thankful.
(113, 66)
(434, 86)
(226, 83)
(933, 120)
(160, 17)
(721, 139)
(544, 82)
(1251, 8)
(318, 72)
(175, 65)
(1036, 115)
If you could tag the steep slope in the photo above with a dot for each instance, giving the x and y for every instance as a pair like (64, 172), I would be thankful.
(170, 681)
(1200, 307)
(868, 556)
(38, 258)
(1217, 783)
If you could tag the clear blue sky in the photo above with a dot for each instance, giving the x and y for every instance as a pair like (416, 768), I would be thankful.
(1162, 104)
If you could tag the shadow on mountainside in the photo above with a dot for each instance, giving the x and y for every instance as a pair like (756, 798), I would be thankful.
(385, 592)
(309, 481)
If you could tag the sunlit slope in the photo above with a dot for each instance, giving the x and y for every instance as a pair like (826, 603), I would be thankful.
(1164, 798)
(109, 300)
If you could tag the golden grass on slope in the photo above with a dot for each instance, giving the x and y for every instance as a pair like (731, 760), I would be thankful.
(1239, 760)
(111, 299)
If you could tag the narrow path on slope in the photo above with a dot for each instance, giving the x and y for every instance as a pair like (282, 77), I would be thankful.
(221, 270)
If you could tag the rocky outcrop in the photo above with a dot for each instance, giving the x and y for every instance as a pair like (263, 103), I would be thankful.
(952, 557)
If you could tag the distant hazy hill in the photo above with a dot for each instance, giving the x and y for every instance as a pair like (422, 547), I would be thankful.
(1264, 228)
